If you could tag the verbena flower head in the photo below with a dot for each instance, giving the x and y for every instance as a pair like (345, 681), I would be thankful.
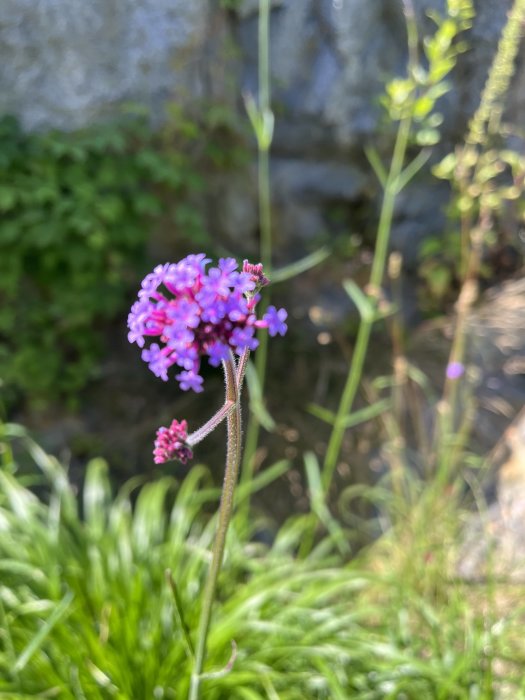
(191, 310)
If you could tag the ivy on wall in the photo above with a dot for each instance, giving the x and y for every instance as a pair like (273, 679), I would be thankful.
(76, 211)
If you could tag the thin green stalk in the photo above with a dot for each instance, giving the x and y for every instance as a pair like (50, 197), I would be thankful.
(265, 223)
(225, 512)
(265, 214)
(365, 327)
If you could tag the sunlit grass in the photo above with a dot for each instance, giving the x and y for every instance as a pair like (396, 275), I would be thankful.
(86, 611)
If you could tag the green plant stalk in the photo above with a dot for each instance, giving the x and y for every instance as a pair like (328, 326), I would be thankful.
(365, 327)
(225, 512)
(265, 232)
(486, 122)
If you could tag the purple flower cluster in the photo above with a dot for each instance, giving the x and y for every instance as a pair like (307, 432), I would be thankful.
(195, 312)
(171, 443)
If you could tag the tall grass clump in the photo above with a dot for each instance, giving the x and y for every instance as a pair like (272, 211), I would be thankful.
(92, 594)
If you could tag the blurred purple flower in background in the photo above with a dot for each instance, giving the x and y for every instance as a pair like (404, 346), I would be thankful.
(455, 370)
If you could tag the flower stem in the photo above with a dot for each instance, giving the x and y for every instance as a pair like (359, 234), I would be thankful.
(210, 425)
(227, 408)
(225, 513)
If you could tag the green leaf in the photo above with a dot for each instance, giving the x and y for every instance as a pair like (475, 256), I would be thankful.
(39, 638)
(445, 168)
(422, 107)
(97, 495)
(427, 137)
(296, 268)
(262, 122)
(148, 204)
(363, 303)
(180, 617)
(8, 197)
(256, 399)
(150, 517)
(317, 499)
(323, 413)
(366, 414)
(439, 279)
(378, 167)
(262, 479)
(110, 208)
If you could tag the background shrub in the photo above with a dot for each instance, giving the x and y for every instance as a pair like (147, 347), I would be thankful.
(76, 212)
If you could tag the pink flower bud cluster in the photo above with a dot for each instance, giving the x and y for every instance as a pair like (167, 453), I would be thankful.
(171, 443)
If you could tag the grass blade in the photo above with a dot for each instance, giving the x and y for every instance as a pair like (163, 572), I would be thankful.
(43, 632)
(302, 265)
(367, 413)
(256, 399)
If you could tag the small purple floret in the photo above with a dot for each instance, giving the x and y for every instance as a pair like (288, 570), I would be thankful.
(276, 321)
(218, 352)
(157, 360)
(455, 370)
(189, 380)
(243, 338)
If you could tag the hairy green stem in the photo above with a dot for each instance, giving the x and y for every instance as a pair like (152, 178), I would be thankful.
(210, 425)
(225, 512)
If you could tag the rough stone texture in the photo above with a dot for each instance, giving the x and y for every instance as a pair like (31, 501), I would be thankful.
(66, 63)
(330, 59)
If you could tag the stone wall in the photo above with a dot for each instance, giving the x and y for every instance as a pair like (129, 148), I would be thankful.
(67, 63)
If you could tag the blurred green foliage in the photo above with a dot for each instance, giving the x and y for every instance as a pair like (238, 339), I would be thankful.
(415, 95)
(485, 211)
(487, 175)
(76, 212)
